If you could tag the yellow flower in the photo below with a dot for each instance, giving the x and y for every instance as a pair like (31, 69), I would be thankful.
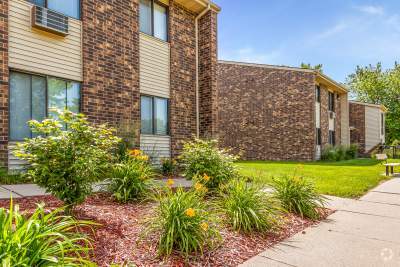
(204, 226)
(190, 212)
(206, 177)
(135, 152)
(198, 186)
(144, 158)
(170, 182)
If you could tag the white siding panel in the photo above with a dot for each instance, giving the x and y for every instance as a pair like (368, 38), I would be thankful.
(154, 66)
(40, 52)
(372, 127)
(345, 127)
(14, 163)
(156, 147)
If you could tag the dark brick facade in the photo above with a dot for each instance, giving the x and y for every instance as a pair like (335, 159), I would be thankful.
(208, 74)
(183, 76)
(182, 36)
(110, 91)
(3, 82)
(357, 126)
(267, 113)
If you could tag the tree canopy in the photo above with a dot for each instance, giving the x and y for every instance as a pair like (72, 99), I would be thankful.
(308, 66)
(372, 84)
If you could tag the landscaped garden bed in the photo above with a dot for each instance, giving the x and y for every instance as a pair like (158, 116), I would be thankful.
(118, 239)
(223, 219)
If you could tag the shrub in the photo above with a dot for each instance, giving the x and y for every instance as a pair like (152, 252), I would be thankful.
(298, 195)
(247, 207)
(67, 162)
(42, 239)
(352, 152)
(12, 178)
(183, 223)
(168, 166)
(338, 153)
(128, 132)
(203, 157)
(131, 179)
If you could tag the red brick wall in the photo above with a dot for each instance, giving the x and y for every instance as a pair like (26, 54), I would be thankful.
(208, 74)
(110, 90)
(324, 117)
(357, 121)
(183, 76)
(267, 113)
(3, 81)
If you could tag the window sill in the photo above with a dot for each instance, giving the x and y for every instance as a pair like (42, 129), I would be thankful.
(154, 38)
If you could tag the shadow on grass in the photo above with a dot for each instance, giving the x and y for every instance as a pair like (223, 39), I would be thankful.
(353, 162)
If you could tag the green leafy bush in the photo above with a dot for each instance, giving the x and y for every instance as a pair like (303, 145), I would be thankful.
(352, 152)
(203, 157)
(12, 178)
(247, 207)
(338, 153)
(67, 162)
(131, 179)
(43, 239)
(297, 195)
(183, 223)
(168, 166)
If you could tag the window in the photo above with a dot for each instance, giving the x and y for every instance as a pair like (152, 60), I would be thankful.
(382, 123)
(332, 139)
(35, 97)
(319, 139)
(69, 8)
(153, 19)
(318, 93)
(331, 102)
(154, 115)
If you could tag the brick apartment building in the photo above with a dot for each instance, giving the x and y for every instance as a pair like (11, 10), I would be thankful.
(147, 61)
(279, 113)
(367, 126)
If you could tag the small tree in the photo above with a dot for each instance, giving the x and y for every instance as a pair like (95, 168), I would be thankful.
(68, 155)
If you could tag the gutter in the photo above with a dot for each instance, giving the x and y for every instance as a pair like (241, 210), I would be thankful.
(208, 8)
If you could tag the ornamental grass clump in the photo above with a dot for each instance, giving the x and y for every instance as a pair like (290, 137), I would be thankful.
(42, 239)
(297, 195)
(247, 207)
(203, 157)
(183, 223)
(132, 179)
(68, 155)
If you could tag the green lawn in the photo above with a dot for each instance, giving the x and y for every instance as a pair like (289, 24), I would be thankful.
(351, 178)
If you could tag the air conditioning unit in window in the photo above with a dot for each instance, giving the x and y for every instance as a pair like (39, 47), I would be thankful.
(332, 115)
(49, 20)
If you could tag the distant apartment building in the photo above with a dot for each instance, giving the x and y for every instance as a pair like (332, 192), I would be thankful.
(147, 61)
(367, 126)
(279, 113)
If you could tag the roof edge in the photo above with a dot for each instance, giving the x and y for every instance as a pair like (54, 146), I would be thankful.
(382, 107)
(322, 76)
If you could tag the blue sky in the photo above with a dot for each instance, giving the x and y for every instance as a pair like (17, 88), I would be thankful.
(340, 34)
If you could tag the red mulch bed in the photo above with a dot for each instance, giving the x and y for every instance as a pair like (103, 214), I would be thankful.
(118, 238)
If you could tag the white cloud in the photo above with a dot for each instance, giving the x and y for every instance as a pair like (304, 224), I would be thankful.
(371, 10)
(249, 54)
(336, 29)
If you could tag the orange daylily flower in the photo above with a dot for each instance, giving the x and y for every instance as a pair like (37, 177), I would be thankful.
(190, 212)
(204, 226)
(170, 182)
(206, 177)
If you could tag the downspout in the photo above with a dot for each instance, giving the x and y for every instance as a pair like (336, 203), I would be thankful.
(208, 8)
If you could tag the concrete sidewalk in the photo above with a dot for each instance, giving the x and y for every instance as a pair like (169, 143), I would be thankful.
(31, 190)
(362, 233)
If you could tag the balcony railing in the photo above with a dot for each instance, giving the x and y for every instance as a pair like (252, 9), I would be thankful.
(49, 20)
